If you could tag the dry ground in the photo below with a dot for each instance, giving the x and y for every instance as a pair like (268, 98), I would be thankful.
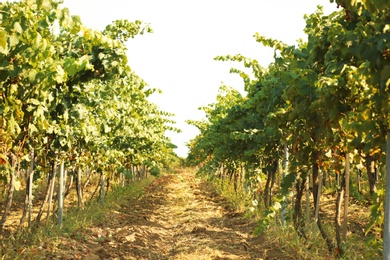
(179, 217)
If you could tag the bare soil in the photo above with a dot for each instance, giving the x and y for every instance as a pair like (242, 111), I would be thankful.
(178, 217)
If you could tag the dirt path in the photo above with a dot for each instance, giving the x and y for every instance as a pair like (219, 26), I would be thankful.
(179, 217)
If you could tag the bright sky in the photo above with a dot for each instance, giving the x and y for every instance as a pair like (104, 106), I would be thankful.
(178, 57)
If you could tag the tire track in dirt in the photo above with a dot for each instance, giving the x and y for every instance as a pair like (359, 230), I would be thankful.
(178, 217)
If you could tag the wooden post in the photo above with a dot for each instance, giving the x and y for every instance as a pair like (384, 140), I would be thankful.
(316, 213)
(308, 201)
(285, 169)
(346, 197)
(386, 226)
(52, 188)
(102, 190)
(61, 194)
(30, 184)
(79, 190)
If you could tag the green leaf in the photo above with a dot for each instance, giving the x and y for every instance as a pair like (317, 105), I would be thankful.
(288, 181)
(32, 74)
(33, 101)
(60, 74)
(13, 127)
(37, 42)
(18, 28)
(39, 112)
(29, 108)
(70, 66)
(32, 129)
(3, 41)
(13, 40)
(13, 89)
(75, 25)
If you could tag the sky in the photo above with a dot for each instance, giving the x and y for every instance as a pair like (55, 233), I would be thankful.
(178, 57)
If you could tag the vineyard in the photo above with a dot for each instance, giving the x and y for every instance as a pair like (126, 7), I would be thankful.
(312, 128)
(73, 113)
(293, 169)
